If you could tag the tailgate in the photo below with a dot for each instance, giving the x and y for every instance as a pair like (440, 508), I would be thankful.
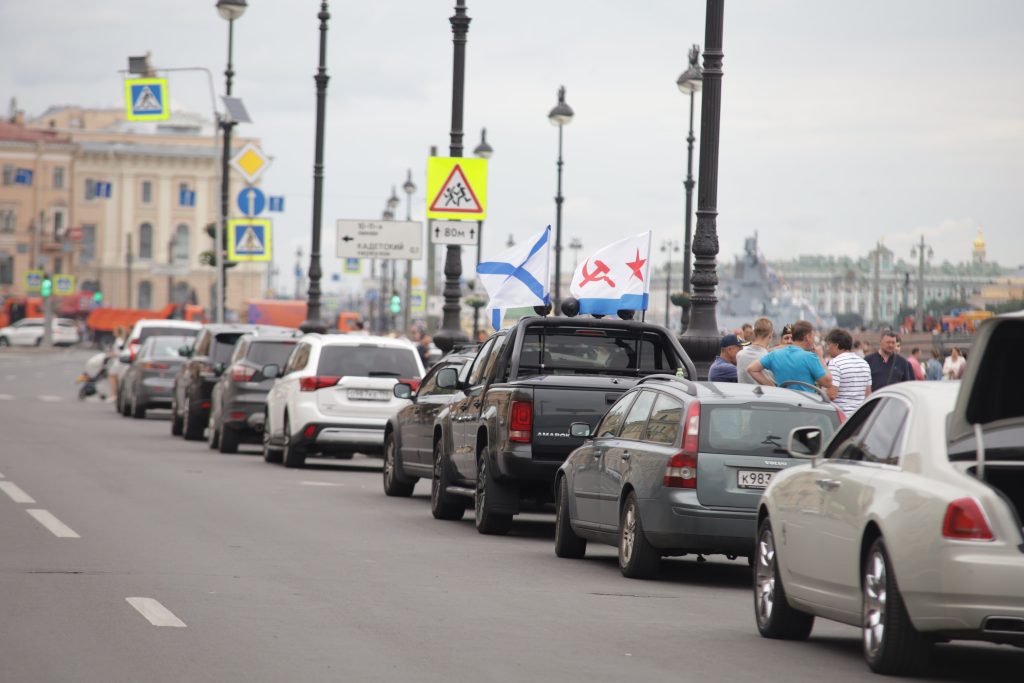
(560, 401)
(360, 397)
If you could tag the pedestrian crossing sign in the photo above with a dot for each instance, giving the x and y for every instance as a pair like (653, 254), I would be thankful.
(34, 280)
(457, 188)
(249, 239)
(353, 266)
(63, 285)
(145, 99)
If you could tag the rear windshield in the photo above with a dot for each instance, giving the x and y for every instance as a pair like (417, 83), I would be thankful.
(758, 429)
(267, 353)
(567, 351)
(224, 346)
(166, 347)
(367, 361)
(147, 332)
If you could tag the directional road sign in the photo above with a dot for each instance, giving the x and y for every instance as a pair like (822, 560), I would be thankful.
(33, 280)
(249, 239)
(252, 201)
(457, 188)
(455, 232)
(251, 162)
(145, 99)
(63, 284)
(380, 239)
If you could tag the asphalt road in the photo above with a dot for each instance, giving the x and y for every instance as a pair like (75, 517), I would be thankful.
(258, 573)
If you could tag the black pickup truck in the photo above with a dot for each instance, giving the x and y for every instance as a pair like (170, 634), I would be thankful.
(503, 441)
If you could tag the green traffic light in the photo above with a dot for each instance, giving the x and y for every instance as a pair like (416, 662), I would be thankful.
(46, 288)
(396, 304)
(97, 297)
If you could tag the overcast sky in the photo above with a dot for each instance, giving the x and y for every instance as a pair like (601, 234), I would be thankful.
(842, 122)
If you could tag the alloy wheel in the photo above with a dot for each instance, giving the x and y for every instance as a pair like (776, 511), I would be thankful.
(764, 586)
(874, 603)
(480, 500)
(628, 533)
(389, 460)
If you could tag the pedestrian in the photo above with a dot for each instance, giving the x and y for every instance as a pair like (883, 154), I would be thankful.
(858, 349)
(915, 363)
(953, 368)
(933, 368)
(786, 338)
(794, 362)
(887, 366)
(762, 332)
(747, 333)
(851, 375)
(723, 369)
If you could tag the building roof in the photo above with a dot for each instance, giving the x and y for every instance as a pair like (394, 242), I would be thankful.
(15, 132)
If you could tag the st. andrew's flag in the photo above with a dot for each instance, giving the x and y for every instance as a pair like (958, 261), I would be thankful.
(520, 276)
(615, 277)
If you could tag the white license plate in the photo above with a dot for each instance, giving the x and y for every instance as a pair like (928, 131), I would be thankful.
(368, 395)
(753, 479)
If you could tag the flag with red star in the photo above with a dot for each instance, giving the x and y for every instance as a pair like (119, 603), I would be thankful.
(616, 277)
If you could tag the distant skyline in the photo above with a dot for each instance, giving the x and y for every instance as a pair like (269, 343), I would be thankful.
(842, 123)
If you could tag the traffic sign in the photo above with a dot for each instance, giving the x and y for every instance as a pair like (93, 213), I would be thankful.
(63, 284)
(457, 188)
(33, 280)
(145, 99)
(353, 266)
(249, 239)
(74, 233)
(418, 302)
(252, 201)
(251, 162)
(380, 239)
(455, 232)
(435, 305)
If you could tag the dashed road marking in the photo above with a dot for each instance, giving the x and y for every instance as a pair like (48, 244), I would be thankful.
(155, 613)
(15, 492)
(50, 398)
(54, 525)
(320, 483)
(6, 397)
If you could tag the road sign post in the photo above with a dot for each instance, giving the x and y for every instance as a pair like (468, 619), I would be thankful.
(369, 239)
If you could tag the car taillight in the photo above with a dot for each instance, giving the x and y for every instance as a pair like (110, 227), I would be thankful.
(681, 472)
(520, 421)
(133, 348)
(414, 383)
(314, 383)
(966, 522)
(155, 366)
(241, 373)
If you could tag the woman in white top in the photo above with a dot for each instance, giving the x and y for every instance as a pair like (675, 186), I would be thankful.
(953, 368)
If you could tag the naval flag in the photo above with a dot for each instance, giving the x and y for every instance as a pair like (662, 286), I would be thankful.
(615, 277)
(519, 276)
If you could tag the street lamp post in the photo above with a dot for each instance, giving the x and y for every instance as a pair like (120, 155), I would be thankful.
(314, 320)
(575, 244)
(451, 327)
(560, 116)
(689, 84)
(384, 297)
(393, 204)
(701, 339)
(484, 151)
(409, 188)
(667, 247)
(922, 251)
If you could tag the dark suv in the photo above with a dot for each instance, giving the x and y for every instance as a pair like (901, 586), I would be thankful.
(237, 404)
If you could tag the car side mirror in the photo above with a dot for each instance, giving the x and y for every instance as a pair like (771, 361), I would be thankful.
(402, 390)
(805, 442)
(219, 368)
(448, 378)
(125, 358)
(185, 351)
(271, 371)
(580, 429)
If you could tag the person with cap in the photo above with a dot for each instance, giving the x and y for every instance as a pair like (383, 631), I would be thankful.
(795, 362)
(786, 338)
(724, 367)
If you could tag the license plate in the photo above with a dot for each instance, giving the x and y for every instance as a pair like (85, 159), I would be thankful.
(367, 395)
(753, 479)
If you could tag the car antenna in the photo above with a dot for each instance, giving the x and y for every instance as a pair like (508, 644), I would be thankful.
(979, 446)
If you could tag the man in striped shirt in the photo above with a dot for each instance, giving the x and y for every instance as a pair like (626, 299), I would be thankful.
(850, 373)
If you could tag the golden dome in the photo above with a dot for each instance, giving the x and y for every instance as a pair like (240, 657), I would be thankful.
(979, 241)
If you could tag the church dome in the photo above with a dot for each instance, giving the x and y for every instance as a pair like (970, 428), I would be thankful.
(979, 241)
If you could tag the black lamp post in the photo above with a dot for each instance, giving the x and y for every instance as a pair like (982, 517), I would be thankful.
(229, 10)
(560, 116)
(409, 188)
(393, 204)
(314, 319)
(701, 339)
(484, 151)
(451, 327)
(689, 83)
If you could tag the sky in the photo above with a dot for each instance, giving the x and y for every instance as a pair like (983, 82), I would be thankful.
(842, 123)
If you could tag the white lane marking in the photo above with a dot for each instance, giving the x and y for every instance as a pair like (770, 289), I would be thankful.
(6, 397)
(50, 399)
(155, 613)
(55, 526)
(320, 483)
(15, 492)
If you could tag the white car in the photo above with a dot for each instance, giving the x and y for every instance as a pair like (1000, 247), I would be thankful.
(335, 395)
(892, 529)
(29, 332)
(141, 331)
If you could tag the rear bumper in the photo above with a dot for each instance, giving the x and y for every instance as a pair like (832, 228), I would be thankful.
(677, 523)
(367, 436)
(520, 465)
(156, 391)
(244, 416)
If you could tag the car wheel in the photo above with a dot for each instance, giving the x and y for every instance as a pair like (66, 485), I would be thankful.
(212, 435)
(775, 617)
(39, 342)
(177, 424)
(270, 453)
(443, 505)
(228, 440)
(567, 543)
(138, 410)
(4, 342)
(637, 557)
(487, 521)
(193, 428)
(126, 408)
(294, 453)
(394, 483)
(892, 645)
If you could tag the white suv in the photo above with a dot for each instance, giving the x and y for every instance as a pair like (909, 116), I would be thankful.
(335, 395)
(29, 332)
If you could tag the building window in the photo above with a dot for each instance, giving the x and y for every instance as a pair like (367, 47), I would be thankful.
(58, 178)
(9, 174)
(8, 219)
(90, 188)
(88, 244)
(145, 294)
(6, 269)
(58, 223)
(181, 245)
(147, 192)
(145, 242)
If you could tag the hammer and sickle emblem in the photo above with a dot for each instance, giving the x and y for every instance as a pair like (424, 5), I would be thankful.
(600, 272)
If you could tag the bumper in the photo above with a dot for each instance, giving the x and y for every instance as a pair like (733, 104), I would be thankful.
(244, 415)
(519, 464)
(156, 391)
(366, 436)
(676, 522)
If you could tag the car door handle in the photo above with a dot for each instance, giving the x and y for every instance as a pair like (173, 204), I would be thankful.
(827, 484)
(476, 404)
(625, 455)
(463, 408)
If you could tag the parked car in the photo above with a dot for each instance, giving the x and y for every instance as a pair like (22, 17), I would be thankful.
(30, 332)
(238, 400)
(677, 467)
(140, 332)
(908, 524)
(335, 395)
(150, 376)
(408, 452)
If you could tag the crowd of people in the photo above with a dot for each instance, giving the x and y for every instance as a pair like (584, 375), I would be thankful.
(845, 369)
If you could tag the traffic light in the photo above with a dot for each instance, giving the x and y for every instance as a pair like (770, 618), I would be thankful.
(46, 288)
(210, 258)
(97, 297)
(396, 304)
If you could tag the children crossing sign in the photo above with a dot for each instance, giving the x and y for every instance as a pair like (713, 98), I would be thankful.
(63, 284)
(145, 99)
(249, 239)
(457, 188)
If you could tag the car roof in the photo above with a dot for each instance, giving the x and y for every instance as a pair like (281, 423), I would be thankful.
(358, 340)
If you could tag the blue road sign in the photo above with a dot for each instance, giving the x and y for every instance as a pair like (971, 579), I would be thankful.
(252, 201)
(276, 204)
(352, 265)
(371, 295)
(249, 239)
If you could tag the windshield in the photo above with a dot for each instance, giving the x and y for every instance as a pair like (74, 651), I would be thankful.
(567, 351)
(164, 347)
(267, 353)
(367, 361)
(758, 429)
(147, 332)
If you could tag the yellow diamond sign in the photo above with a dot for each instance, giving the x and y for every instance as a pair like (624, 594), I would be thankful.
(251, 162)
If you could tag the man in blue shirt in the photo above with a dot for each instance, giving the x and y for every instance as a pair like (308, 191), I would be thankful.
(723, 369)
(795, 362)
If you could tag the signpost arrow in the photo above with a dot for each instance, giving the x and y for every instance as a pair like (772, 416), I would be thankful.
(455, 232)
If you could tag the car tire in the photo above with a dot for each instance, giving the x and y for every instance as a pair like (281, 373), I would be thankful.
(177, 423)
(892, 646)
(395, 484)
(270, 453)
(126, 408)
(138, 410)
(212, 435)
(487, 521)
(294, 453)
(4, 342)
(638, 559)
(774, 616)
(567, 543)
(228, 440)
(443, 505)
(39, 342)
(193, 430)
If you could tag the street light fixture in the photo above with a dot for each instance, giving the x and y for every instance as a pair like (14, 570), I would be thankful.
(560, 116)
(409, 188)
(689, 84)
